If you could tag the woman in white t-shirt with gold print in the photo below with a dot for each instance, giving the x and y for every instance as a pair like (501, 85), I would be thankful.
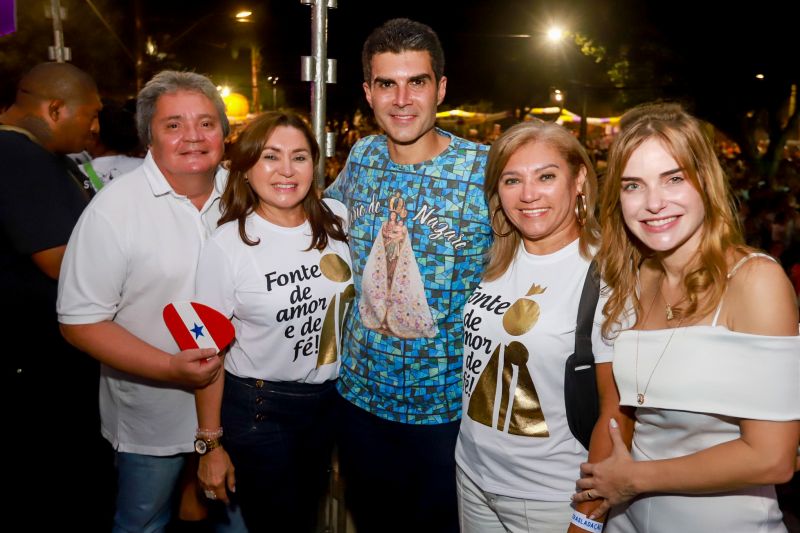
(279, 266)
(516, 455)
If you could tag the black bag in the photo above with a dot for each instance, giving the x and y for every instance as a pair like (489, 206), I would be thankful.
(580, 381)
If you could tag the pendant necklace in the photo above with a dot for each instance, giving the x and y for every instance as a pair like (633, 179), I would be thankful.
(640, 394)
(668, 307)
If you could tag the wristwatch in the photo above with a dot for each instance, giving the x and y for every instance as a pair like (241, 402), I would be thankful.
(203, 446)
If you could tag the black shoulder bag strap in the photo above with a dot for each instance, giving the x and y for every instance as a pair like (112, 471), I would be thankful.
(586, 309)
(580, 382)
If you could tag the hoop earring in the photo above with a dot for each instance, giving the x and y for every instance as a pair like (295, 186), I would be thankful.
(580, 209)
(491, 224)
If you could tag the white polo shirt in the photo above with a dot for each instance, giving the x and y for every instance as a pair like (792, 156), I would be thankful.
(134, 250)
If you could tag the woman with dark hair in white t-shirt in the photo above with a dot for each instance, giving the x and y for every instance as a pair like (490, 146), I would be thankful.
(279, 266)
(517, 457)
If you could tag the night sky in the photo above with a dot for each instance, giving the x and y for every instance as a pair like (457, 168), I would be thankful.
(696, 49)
(701, 52)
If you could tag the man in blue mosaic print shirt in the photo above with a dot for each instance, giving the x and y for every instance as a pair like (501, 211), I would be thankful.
(418, 228)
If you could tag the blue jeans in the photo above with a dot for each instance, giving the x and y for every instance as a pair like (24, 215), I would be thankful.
(279, 436)
(146, 491)
(228, 520)
(398, 477)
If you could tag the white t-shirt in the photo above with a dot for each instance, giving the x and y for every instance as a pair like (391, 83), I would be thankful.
(287, 302)
(109, 167)
(519, 331)
(133, 251)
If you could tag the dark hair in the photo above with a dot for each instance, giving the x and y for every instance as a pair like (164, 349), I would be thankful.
(57, 81)
(401, 35)
(172, 81)
(239, 199)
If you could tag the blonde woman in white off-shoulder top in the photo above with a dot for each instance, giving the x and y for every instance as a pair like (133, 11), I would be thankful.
(707, 348)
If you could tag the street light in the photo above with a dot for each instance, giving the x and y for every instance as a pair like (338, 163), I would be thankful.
(244, 16)
(558, 97)
(274, 81)
(555, 35)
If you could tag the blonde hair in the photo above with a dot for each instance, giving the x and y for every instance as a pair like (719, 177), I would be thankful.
(621, 255)
(504, 247)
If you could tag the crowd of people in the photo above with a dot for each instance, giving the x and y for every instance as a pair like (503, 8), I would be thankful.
(419, 315)
(769, 215)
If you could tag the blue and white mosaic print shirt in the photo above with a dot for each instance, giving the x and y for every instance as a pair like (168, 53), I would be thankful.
(418, 237)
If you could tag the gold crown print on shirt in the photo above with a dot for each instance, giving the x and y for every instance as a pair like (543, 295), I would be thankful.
(335, 269)
(505, 397)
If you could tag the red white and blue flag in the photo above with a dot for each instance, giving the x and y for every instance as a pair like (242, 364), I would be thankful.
(194, 325)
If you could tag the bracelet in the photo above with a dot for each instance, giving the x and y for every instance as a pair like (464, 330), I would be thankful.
(580, 520)
(208, 434)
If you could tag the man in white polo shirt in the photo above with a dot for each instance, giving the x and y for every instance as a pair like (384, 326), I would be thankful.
(133, 251)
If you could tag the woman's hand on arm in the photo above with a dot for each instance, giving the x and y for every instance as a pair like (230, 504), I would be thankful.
(601, 445)
(765, 454)
(611, 478)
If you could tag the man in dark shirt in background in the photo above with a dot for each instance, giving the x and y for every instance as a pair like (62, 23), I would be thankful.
(49, 390)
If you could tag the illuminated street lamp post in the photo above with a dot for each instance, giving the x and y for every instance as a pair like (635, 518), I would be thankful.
(274, 81)
(556, 35)
(557, 97)
(255, 67)
(255, 62)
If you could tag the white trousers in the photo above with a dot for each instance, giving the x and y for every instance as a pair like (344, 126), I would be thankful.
(484, 512)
